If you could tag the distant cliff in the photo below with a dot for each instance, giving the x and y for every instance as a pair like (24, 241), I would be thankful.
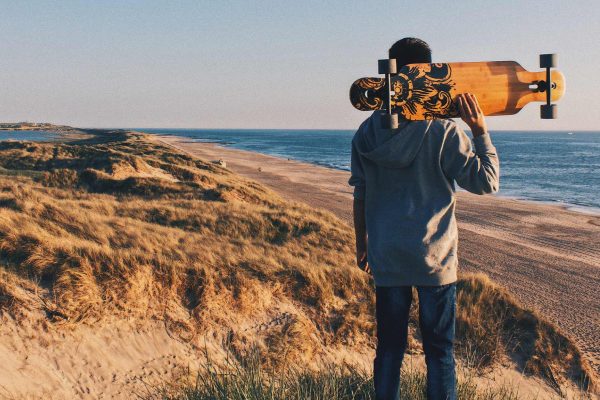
(34, 126)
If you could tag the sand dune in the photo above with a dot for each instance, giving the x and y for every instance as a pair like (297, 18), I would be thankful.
(117, 360)
(546, 255)
(121, 258)
(126, 360)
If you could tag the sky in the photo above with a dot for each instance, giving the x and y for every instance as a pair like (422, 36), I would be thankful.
(269, 64)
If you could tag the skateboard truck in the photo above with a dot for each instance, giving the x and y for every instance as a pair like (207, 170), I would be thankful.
(548, 110)
(387, 67)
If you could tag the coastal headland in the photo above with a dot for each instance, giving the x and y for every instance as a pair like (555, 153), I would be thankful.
(35, 126)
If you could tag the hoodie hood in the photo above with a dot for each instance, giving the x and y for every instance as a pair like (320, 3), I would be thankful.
(391, 148)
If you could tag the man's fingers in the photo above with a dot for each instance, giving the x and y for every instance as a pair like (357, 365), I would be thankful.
(365, 267)
(361, 260)
(474, 103)
(461, 107)
(468, 110)
(466, 114)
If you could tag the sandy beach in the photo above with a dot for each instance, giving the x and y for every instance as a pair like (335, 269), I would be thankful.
(546, 255)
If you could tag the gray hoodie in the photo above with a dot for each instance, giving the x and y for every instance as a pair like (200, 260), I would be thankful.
(406, 177)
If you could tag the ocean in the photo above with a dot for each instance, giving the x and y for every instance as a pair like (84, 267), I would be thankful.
(28, 135)
(554, 167)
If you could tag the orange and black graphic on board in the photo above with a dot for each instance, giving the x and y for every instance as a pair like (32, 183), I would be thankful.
(368, 93)
(422, 91)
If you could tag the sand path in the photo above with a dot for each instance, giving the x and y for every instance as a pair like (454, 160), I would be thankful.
(547, 256)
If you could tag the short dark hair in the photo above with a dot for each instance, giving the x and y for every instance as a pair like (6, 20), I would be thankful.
(410, 51)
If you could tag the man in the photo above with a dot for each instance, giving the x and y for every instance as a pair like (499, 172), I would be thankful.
(404, 201)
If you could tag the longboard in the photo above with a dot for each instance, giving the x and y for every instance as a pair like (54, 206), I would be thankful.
(427, 91)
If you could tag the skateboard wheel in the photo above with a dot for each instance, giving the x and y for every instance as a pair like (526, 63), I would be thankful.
(389, 121)
(548, 111)
(387, 66)
(548, 60)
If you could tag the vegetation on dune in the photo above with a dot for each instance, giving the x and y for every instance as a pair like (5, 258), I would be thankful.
(124, 226)
(248, 379)
(121, 225)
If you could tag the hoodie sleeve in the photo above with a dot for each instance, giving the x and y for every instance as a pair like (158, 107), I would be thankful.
(357, 177)
(478, 171)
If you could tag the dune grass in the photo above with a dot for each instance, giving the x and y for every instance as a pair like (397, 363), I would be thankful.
(249, 380)
(122, 226)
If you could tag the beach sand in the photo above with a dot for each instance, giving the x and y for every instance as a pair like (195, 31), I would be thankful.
(130, 360)
(546, 255)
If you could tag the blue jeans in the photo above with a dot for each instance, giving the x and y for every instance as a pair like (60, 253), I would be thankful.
(437, 305)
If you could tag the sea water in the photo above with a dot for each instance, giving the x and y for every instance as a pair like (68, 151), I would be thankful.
(555, 166)
(38, 136)
(559, 167)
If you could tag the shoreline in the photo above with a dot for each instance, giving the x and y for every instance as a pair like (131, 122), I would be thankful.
(546, 255)
(227, 145)
(579, 208)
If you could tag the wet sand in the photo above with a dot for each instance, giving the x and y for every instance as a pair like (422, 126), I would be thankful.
(547, 256)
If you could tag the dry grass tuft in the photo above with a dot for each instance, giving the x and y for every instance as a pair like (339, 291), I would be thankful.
(492, 325)
(121, 226)
(244, 377)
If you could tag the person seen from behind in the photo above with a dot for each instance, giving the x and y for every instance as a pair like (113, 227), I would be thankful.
(406, 233)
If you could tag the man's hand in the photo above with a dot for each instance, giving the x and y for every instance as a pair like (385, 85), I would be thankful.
(360, 230)
(361, 257)
(470, 112)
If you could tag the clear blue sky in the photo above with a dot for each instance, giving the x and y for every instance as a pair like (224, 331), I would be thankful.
(268, 64)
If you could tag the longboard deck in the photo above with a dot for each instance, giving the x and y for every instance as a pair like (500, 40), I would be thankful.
(427, 91)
